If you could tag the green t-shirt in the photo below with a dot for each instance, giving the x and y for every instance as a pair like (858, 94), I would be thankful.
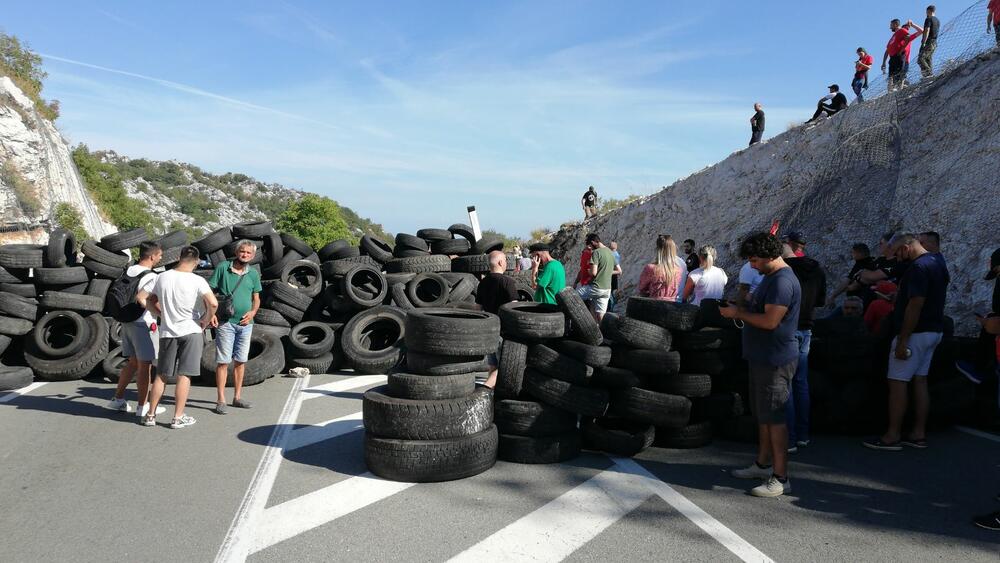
(224, 279)
(551, 280)
(605, 261)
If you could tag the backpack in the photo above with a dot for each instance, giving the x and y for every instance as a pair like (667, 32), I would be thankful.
(120, 302)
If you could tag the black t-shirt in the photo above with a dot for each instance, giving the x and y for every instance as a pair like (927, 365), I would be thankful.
(926, 277)
(996, 296)
(590, 198)
(496, 290)
(859, 266)
(839, 101)
(931, 27)
(812, 280)
(893, 269)
(692, 262)
(759, 120)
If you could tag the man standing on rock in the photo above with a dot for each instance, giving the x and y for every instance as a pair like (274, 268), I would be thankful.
(236, 280)
(864, 63)
(770, 347)
(186, 307)
(140, 341)
(589, 202)
(547, 273)
(757, 124)
(928, 42)
(897, 52)
(602, 267)
(918, 326)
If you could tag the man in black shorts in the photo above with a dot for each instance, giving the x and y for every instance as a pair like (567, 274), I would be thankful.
(772, 350)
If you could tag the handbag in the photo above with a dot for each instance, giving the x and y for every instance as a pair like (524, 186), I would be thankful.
(226, 308)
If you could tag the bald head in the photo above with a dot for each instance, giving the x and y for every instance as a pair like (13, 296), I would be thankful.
(498, 262)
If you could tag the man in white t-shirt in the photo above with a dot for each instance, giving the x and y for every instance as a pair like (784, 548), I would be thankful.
(186, 306)
(749, 279)
(139, 338)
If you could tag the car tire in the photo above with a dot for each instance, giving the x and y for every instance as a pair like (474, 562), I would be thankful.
(426, 461)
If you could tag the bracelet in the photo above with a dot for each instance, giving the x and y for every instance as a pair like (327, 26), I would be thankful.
(738, 323)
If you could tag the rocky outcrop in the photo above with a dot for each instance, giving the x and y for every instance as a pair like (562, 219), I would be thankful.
(36, 156)
(925, 158)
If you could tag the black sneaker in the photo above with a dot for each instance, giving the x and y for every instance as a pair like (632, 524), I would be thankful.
(988, 521)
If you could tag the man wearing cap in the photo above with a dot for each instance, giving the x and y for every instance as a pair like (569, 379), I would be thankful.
(918, 326)
(797, 241)
(837, 99)
(547, 274)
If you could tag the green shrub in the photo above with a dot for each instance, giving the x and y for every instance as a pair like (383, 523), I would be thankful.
(315, 219)
(25, 69)
(104, 183)
(611, 203)
(67, 216)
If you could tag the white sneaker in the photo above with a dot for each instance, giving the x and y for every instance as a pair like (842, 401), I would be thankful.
(752, 472)
(182, 422)
(160, 409)
(120, 405)
(772, 488)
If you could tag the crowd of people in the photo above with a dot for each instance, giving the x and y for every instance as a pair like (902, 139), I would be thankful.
(895, 62)
(185, 304)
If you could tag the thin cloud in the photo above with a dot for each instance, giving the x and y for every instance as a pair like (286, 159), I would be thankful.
(186, 89)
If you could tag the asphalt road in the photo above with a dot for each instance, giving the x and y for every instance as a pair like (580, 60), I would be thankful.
(286, 481)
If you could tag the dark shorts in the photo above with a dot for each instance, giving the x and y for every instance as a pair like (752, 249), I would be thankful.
(180, 356)
(897, 66)
(769, 391)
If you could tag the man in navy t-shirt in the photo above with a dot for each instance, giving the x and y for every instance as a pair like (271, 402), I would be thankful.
(918, 326)
(772, 350)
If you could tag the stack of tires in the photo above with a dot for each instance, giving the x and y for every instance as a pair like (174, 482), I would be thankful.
(710, 372)
(432, 422)
(541, 390)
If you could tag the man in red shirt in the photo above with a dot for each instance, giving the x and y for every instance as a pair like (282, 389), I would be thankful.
(861, 67)
(993, 18)
(897, 52)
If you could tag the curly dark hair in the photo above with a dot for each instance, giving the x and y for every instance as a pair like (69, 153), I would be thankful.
(761, 245)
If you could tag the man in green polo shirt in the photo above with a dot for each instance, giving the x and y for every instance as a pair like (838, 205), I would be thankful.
(232, 336)
(548, 274)
(602, 267)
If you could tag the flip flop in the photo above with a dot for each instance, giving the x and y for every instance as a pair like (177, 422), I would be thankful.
(918, 444)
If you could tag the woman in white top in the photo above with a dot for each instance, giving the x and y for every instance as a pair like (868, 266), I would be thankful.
(706, 282)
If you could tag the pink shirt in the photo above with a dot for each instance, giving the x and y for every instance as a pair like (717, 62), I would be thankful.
(652, 283)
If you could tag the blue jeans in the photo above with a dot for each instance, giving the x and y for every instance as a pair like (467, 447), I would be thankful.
(232, 342)
(797, 411)
(858, 86)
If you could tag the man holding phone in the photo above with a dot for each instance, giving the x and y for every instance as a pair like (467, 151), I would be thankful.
(772, 350)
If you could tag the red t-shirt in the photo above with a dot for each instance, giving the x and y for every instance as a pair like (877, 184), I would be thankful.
(899, 42)
(877, 310)
(994, 8)
(585, 276)
(869, 60)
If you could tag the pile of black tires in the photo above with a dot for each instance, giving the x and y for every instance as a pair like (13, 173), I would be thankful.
(432, 422)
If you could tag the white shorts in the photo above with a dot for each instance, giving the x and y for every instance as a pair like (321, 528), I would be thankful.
(922, 346)
(598, 298)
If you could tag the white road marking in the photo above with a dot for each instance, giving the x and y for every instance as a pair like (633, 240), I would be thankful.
(15, 393)
(342, 385)
(307, 435)
(978, 433)
(236, 546)
(728, 538)
(562, 526)
(310, 511)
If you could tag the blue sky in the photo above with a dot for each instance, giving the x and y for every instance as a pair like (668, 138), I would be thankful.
(409, 111)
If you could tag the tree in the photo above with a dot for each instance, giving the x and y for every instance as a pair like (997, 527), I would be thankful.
(25, 68)
(315, 219)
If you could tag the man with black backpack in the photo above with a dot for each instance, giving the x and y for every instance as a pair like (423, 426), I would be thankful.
(140, 341)
(238, 286)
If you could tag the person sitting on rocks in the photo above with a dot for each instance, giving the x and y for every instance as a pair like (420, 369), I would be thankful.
(661, 278)
(863, 260)
(853, 307)
(838, 102)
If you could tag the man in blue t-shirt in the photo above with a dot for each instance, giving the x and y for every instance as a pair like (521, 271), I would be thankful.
(772, 350)
(918, 326)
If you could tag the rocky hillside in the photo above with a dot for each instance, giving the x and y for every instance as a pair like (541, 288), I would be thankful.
(37, 173)
(184, 196)
(921, 159)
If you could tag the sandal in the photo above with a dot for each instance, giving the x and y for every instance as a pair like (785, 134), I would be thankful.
(920, 444)
(878, 444)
